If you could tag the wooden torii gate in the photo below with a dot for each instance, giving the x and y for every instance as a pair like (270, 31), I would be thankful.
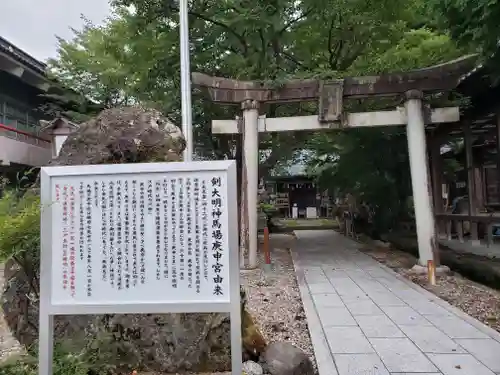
(330, 94)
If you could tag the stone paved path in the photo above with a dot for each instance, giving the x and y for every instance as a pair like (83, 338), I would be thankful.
(365, 319)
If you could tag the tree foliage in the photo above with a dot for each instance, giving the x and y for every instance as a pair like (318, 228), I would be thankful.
(134, 58)
(61, 102)
(472, 23)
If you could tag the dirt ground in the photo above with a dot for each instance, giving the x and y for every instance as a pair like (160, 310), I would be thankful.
(479, 301)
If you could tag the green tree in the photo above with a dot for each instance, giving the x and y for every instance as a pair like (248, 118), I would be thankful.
(472, 23)
(61, 102)
(134, 57)
(372, 164)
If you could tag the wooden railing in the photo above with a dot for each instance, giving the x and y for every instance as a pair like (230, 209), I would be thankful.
(487, 220)
(24, 136)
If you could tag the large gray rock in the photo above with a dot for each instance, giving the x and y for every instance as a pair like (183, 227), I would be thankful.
(163, 343)
(283, 358)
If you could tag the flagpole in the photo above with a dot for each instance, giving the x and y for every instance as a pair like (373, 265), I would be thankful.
(187, 125)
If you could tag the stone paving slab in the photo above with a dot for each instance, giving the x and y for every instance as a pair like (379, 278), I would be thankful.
(365, 319)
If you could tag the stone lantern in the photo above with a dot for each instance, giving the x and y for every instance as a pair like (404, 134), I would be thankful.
(58, 130)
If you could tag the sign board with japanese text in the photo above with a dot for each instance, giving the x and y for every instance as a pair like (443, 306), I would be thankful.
(139, 238)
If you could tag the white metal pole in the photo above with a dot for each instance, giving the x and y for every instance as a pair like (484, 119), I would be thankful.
(417, 150)
(187, 125)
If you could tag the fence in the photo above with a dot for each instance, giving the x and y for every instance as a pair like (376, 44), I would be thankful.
(24, 136)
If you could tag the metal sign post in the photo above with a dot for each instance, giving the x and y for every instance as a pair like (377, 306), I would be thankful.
(187, 121)
(97, 222)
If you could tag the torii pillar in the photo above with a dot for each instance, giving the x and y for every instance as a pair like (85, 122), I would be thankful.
(412, 116)
(250, 171)
(417, 152)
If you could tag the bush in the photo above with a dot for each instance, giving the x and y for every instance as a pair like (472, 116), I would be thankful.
(270, 211)
(20, 227)
(64, 364)
(20, 241)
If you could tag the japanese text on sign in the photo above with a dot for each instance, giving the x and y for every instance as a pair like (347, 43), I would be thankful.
(129, 237)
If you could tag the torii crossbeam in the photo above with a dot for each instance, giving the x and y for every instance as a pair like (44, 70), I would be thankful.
(331, 115)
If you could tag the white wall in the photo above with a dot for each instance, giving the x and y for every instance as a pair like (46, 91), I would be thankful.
(13, 151)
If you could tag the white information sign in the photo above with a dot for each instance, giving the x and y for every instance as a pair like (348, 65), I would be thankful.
(139, 238)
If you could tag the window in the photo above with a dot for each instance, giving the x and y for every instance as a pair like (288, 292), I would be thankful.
(18, 116)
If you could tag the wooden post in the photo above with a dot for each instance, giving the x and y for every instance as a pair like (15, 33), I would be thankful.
(436, 164)
(498, 153)
(459, 225)
(241, 192)
(479, 190)
(431, 272)
(471, 186)
(267, 251)
(434, 173)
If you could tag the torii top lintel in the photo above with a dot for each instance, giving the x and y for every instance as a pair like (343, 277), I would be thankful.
(443, 77)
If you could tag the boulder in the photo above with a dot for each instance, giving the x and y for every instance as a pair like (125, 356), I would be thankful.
(252, 368)
(123, 135)
(159, 342)
(283, 358)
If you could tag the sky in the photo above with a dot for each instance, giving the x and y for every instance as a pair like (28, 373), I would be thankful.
(32, 25)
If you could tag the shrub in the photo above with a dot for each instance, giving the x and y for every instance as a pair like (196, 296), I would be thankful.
(20, 241)
(20, 227)
(64, 364)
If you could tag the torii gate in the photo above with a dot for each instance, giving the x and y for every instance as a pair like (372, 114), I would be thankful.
(330, 94)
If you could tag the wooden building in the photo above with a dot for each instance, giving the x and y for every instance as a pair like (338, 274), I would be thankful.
(485, 172)
(22, 82)
(25, 88)
(476, 180)
(298, 197)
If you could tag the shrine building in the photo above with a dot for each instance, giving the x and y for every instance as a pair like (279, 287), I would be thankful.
(22, 80)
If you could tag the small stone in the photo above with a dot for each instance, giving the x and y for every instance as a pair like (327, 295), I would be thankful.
(283, 358)
(252, 368)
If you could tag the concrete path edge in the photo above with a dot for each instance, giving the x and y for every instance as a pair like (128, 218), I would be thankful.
(322, 352)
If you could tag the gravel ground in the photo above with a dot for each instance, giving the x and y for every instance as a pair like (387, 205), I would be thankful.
(479, 301)
(274, 299)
